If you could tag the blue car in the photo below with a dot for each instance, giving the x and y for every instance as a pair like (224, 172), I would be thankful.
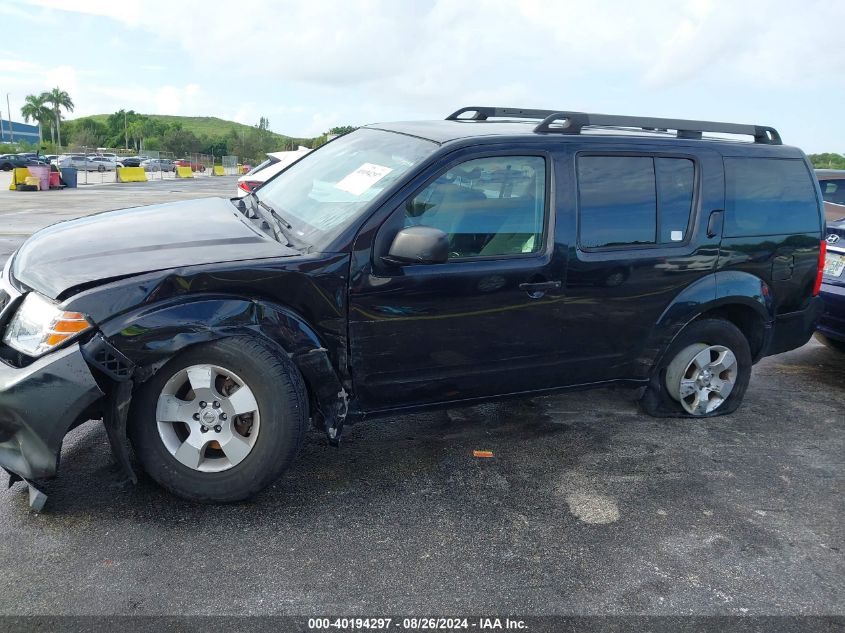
(831, 327)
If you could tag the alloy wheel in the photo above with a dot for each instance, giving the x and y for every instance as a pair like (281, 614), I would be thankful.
(207, 418)
(701, 377)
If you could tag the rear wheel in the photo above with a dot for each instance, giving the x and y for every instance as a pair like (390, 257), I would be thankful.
(101, 168)
(705, 372)
(220, 421)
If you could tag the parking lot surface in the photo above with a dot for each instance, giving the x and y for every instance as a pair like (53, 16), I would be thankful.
(587, 506)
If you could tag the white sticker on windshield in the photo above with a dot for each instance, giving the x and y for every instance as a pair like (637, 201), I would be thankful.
(363, 178)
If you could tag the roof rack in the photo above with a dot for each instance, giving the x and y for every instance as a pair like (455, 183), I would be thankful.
(564, 122)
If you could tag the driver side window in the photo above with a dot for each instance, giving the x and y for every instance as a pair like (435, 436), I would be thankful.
(488, 207)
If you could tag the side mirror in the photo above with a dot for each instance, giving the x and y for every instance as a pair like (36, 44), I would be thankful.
(418, 245)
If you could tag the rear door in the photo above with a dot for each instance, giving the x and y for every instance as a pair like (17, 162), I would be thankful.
(641, 220)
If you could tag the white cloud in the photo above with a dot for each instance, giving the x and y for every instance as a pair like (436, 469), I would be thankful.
(63, 77)
(128, 12)
(321, 122)
(19, 66)
(353, 62)
(423, 49)
(176, 100)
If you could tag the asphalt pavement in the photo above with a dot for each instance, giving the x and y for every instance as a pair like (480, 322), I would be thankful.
(587, 506)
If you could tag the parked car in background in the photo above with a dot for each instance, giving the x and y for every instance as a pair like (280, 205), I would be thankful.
(831, 327)
(12, 161)
(108, 162)
(186, 162)
(33, 156)
(832, 183)
(115, 158)
(131, 161)
(158, 164)
(86, 163)
(406, 266)
(276, 162)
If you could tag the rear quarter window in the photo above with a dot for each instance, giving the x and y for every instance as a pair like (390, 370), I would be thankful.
(769, 196)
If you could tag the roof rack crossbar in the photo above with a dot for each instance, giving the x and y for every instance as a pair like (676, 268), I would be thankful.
(565, 122)
(482, 113)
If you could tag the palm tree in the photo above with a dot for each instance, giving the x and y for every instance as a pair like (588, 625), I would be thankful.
(35, 108)
(59, 99)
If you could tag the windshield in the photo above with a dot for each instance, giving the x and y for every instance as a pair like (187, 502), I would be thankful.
(326, 190)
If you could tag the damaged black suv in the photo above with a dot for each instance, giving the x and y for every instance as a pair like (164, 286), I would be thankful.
(500, 252)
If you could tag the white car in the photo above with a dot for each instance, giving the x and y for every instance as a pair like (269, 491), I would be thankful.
(261, 173)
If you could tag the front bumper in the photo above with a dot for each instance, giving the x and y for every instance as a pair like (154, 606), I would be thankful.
(38, 405)
(832, 322)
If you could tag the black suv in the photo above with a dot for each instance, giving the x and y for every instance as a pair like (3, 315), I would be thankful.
(498, 253)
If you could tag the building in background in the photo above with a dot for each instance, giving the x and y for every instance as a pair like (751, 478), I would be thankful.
(12, 131)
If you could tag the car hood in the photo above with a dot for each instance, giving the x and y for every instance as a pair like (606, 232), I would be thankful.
(132, 241)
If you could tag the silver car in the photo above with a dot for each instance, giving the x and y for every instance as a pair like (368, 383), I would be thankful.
(86, 163)
(158, 164)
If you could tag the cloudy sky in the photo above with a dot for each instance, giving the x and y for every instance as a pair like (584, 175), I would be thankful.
(310, 64)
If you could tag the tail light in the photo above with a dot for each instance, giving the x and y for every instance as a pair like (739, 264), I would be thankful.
(820, 272)
(249, 185)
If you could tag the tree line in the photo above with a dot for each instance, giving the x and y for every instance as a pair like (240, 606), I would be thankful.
(827, 160)
(138, 132)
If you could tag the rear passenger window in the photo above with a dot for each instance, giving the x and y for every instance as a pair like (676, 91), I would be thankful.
(634, 200)
(488, 206)
(769, 196)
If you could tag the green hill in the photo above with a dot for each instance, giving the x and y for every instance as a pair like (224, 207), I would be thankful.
(200, 125)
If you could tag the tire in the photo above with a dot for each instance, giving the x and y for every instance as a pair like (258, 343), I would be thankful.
(277, 423)
(101, 168)
(832, 343)
(680, 386)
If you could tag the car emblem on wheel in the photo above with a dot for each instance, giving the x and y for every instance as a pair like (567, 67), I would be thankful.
(832, 238)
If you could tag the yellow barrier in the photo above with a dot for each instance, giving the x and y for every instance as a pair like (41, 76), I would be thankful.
(184, 172)
(131, 174)
(218, 170)
(19, 176)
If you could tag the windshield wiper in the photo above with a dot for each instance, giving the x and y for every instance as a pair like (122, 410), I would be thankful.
(283, 226)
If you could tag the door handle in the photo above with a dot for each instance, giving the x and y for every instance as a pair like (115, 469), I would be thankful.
(537, 289)
(714, 224)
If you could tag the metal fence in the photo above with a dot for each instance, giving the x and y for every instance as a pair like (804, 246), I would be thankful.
(202, 165)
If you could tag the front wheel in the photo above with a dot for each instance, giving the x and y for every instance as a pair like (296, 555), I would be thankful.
(705, 372)
(101, 168)
(220, 421)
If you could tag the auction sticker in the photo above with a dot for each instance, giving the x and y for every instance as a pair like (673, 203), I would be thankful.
(363, 178)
